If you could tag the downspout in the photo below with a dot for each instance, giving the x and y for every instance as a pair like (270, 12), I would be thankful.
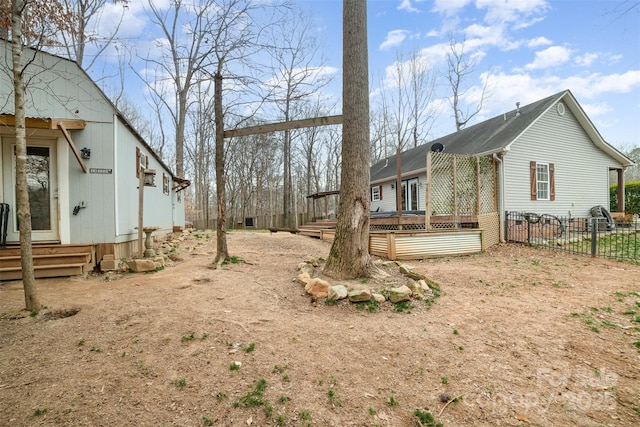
(497, 158)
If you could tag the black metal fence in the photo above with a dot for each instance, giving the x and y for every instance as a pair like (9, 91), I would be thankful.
(599, 236)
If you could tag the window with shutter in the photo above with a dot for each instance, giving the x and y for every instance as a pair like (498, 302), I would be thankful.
(542, 181)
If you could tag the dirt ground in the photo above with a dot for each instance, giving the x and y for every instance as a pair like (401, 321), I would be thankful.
(519, 336)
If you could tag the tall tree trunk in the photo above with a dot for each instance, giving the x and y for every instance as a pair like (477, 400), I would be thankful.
(221, 231)
(24, 210)
(349, 256)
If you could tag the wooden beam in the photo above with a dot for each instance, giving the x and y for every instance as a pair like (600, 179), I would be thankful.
(43, 123)
(275, 127)
(72, 145)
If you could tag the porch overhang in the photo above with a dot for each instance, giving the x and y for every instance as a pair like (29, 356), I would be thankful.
(43, 123)
(181, 184)
(63, 125)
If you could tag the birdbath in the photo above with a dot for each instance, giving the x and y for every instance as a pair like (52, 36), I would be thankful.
(149, 252)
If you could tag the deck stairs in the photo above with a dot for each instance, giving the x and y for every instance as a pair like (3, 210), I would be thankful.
(49, 260)
(315, 228)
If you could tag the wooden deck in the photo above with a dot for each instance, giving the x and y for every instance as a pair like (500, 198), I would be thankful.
(49, 260)
(315, 229)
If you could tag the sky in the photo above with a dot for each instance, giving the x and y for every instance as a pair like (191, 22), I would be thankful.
(525, 50)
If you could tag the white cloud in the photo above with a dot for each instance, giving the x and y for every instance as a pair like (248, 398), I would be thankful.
(517, 12)
(406, 5)
(539, 41)
(449, 7)
(596, 109)
(550, 57)
(394, 38)
(587, 59)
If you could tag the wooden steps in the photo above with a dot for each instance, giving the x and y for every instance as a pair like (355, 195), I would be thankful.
(48, 261)
(315, 229)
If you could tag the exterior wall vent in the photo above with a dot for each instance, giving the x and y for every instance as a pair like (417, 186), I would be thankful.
(560, 109)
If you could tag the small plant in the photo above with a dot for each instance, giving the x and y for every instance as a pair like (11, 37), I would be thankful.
(281, 420)
(37, 412)
(364, 281)
(254, 397)
(333, 397)
(250, 348)
(285, 378)
(636, 344)
(234, 366)
(444, 380)
(33, 313)
(283, 399)
(94, 349)
(460, 347)
(403, 306)
(372, 411)
(455, 332)
(305, 415)
(204, 336)
(179, 383)
(277, 369)
(188, 338)
(232, 260)
(221, 396)
(392, 401)
(425, 419)
(206, 421)
(268, 410)
(80, 342)
(595, 329)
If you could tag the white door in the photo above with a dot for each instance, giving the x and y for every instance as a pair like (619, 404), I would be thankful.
(42, 185)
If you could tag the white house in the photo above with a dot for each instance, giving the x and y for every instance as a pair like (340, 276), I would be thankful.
(550, 159)
(83, 163)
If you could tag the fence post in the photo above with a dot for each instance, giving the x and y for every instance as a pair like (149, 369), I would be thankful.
(594, 235)
(506, 225)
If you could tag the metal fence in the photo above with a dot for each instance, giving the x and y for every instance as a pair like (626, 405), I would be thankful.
(598, 236)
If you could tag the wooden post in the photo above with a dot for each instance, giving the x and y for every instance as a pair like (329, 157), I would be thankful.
(455, 186)
(478, 188)
(428, 204)
(140, 212)
(399, 187)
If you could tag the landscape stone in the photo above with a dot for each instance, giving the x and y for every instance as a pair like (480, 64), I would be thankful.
(317, 287)
(337, 292)
(360, 295)
(408, 271)
(312, 260)
(378, 297)
(416, 289)
(303, 278)
(402, 293)
(140, 265)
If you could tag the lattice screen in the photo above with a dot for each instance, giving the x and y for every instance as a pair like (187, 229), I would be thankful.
(459, 186)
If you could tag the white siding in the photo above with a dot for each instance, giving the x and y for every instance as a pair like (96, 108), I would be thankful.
(581, 169)
(388, 202)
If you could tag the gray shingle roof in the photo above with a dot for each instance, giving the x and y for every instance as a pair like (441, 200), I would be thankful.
(490, 136)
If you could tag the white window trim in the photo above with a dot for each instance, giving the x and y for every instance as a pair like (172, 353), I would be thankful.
(548, 182)
(375, 193)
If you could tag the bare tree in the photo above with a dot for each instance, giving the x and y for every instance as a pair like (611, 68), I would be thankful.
(185, 54)
(28, 23)
(459, 67)
(298, 74)
(349, 255)
(88, 13)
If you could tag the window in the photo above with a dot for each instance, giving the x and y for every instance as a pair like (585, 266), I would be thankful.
(376, 193)
(165, 184)
(542, 181)
(142, 162)
(410, 194)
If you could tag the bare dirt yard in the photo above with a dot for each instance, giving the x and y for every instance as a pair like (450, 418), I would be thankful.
(518, 337)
